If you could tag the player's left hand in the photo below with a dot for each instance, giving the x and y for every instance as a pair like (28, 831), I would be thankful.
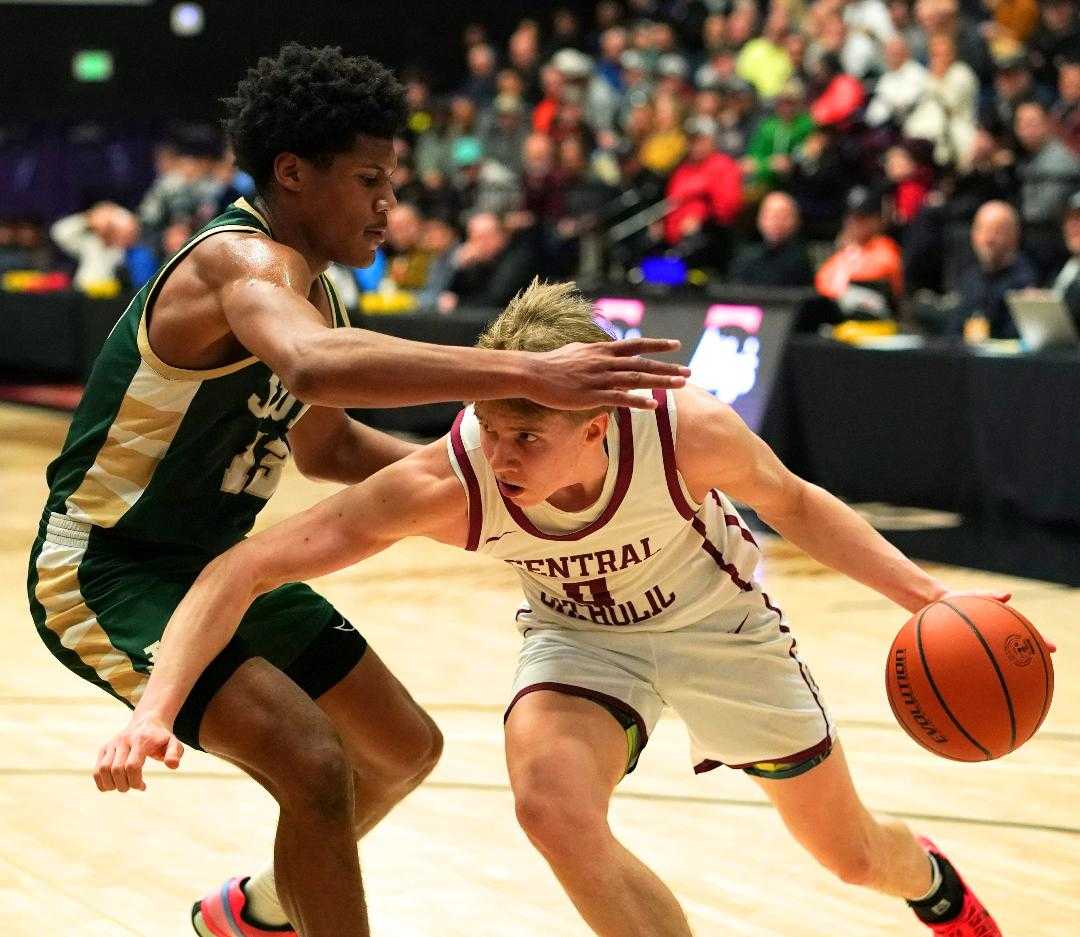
(120, 761)
(1003, 598)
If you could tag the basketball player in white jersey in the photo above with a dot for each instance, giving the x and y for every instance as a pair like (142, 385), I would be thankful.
(638, 576)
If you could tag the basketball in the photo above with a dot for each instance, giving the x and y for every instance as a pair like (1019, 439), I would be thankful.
(969, 678)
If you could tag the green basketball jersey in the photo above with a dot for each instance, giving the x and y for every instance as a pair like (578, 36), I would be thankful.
(169, 456)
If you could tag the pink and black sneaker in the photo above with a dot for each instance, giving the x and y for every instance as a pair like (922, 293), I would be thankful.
(939, 911)
(222, 914)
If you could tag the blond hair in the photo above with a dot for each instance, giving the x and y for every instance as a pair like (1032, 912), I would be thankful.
(543, 317)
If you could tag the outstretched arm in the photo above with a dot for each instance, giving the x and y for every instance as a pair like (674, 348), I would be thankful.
(715, 449)
(262, 287)
(418, 496)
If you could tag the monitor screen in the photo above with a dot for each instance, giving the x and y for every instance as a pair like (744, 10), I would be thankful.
(733, 349)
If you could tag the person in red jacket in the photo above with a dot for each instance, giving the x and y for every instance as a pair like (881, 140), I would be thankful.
(705, 191)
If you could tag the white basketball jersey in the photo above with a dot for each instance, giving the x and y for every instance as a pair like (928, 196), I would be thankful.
(644, 557)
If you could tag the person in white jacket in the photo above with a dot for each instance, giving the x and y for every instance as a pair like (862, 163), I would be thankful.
(945, 114)
(900, 88)
(98, 239)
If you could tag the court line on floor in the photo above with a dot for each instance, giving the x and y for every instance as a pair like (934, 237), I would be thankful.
(481, 787)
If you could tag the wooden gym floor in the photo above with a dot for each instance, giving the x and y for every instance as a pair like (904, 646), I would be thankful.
(450, 861)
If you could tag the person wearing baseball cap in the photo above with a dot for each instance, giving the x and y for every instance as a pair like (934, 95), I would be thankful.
(865, 276)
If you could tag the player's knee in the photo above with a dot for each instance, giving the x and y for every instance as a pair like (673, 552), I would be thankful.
(560, 823)
(320, 779)
(425, 753)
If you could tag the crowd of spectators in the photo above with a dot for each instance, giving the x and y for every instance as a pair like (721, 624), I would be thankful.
(845, 145)
(879, 151)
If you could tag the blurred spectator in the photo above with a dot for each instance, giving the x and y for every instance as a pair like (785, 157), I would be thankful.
(1066, 111)
(185, 194)
(840, 95)
(552, 84)
(865, 275)
(869, 27)
(769, 160)
(910, 177)
(1012, 19)
(408, 263)
(819, 182)
(488, 268)
(999, 267)
(524, 55)
(937, 242)
(418, 99)
(705, 195)
(742, 23)
(781, 258)
(613, 43)
(1013, 84)
(899, 89)
(584, 197)
(904, 25)
(1049, 173)
(944, 18)
(542, 193)
(505, 132)
(637, 84)
(479, 87)
(945, 113)
(736, 117)
(764, 61)
(672, 76)
(1067, 282)
(566, 30)
(98, 239)
(439, 240)
(23, 245)
(1057, 37)
(665, 146)
(585, 90)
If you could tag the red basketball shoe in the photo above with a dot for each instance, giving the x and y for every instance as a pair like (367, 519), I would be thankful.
(221, 914)
(973, 920)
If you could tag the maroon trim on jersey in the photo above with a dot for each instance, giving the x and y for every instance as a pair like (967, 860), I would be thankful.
(810, 685)
(622, 485)
(732, 520)
(667, 449)
(472, 486)
(595, 696)
(784, 629)
(825, 745)
(709, 547)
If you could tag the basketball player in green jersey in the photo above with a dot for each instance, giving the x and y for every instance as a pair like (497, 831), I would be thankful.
(232, 356)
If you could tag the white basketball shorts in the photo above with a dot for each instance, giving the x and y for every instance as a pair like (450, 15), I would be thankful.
(736, 681)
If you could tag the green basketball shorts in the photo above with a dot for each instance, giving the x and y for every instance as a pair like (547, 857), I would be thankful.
(101, 604)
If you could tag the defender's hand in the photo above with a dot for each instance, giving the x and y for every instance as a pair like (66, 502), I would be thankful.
(120, 761)
(601, 374)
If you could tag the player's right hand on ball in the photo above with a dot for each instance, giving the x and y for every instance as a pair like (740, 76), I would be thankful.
(120, 761)
(581, 376)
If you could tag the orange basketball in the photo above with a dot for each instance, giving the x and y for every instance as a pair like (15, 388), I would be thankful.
(969, 678)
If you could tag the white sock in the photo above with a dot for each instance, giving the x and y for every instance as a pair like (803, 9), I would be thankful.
(262, 899)
(935, 881)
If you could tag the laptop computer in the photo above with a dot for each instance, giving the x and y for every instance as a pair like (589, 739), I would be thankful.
(1042, 319)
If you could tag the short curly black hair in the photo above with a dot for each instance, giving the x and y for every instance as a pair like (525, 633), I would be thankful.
(311, 102)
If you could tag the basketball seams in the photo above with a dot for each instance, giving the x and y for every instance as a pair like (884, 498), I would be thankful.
(997, 669)
(1048, 673)
(933, 686)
